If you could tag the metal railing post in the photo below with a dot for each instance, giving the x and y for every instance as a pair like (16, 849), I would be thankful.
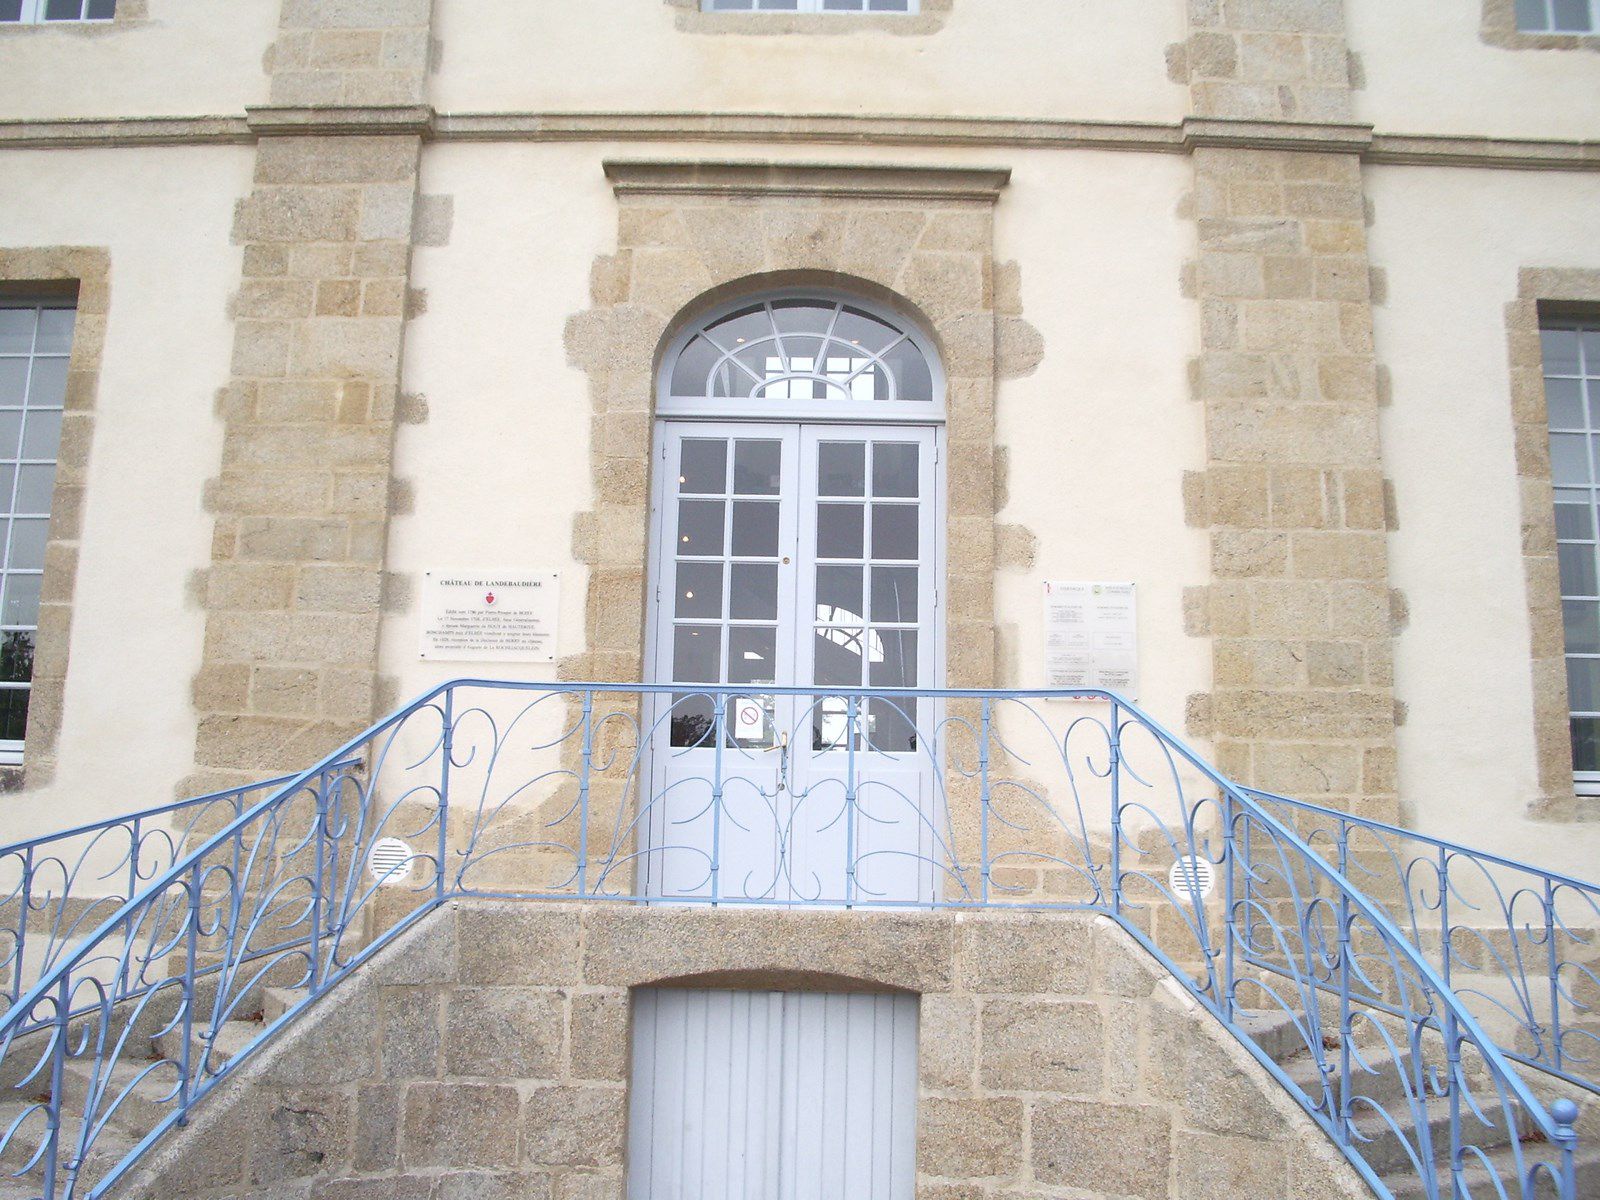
(983, 799)
(583, 790)
(318, 884)
(719, 724)
(17, 986)
(851, 717)
(447, 750)
(185, 1047)
(58, 1073)
(1229, 854)
(1116, 809)
(1565, 1114)
(1553, 959)
(1342, 1119)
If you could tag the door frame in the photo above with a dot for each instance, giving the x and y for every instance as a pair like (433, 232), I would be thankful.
(657, 671)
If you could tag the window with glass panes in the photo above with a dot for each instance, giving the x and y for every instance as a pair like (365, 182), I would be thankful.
(1572, 397)
(811, 6)
(41, 12)
(1558, 16)
(35, 340)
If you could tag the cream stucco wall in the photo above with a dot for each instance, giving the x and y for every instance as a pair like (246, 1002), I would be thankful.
(1428, 70)
(1451, 244)
(501, 464)
(181, 60)
(1099, 436)
(1065, 61)
(128, 732)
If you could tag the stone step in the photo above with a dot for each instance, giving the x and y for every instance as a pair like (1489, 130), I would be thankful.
(277, 1001)
(18, 1157)
(1386, 1151)
(1479, 1180)
(208, 1051)
(142, 1090)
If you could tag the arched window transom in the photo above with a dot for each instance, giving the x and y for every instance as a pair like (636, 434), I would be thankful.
(803, 355)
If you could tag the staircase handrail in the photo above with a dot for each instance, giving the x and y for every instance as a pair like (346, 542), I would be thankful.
(1508, 940)
(327, 782)
(150, 843)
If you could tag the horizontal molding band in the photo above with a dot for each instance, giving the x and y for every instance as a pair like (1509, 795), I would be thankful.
(868, 181)
(820, 129)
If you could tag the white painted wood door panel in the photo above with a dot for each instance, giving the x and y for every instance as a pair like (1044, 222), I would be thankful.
(772, 1096)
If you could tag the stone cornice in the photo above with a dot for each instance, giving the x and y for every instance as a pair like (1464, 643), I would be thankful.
(1275, 135)
(124, 131)
(271, 121)
(865, 181)
(997, 133)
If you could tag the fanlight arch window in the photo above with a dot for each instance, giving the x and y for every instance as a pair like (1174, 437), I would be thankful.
(803, 355)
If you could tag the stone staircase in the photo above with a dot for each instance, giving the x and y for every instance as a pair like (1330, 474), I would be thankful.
(1381, 1085)
(149, 1083)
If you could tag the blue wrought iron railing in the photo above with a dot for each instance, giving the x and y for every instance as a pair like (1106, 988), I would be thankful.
(1519, 945)
(64, 883)
(765, 795)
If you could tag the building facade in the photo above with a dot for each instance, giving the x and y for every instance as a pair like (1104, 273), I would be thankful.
(832, 334)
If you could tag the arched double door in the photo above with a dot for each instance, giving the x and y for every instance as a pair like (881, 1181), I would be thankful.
(796, 552)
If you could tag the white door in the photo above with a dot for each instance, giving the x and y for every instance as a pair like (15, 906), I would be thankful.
(772, 1096)
(801, 556)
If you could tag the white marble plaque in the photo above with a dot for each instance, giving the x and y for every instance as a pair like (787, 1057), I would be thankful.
(490, 616)
(1091, 636)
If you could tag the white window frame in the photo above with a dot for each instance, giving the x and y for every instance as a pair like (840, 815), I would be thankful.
(1585, 783)
(1549, 27)
(795, 7)
(11, 749)
(33, 13)
(931, 412)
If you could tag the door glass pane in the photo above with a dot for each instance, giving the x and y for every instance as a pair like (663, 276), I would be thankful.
(691, 720)
(47, 389)
(839, 530)
(842, 469)
(700, 527)
(752, 654)
(755, 592)
(756, 468)
(894, 531)
(699, 592)
(837, 661)
(704, 467)
(894, 469)
(893, 658)
(892, 724)
(755, 529)
(894, 594)
(839, 595)
(697, 654)
(10, 433)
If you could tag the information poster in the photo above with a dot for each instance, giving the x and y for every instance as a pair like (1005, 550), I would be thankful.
(1091, 636)
(490, 616)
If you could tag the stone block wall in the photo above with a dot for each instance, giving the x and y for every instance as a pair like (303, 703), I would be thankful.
(1298, 609)
(293, 593)
(485, 1054)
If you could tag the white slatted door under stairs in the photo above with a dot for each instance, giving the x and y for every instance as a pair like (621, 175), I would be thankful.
(772, 1096)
